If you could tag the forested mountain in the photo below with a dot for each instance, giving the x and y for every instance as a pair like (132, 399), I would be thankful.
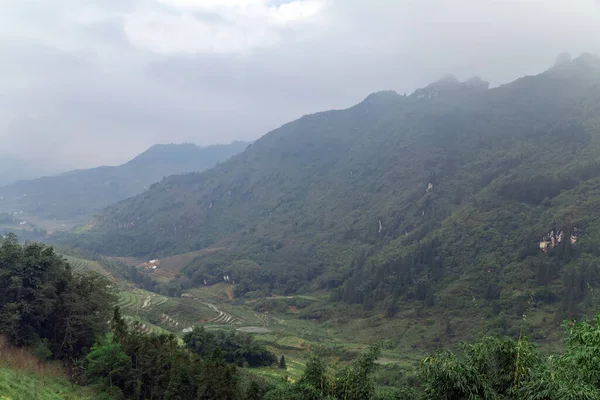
(77, 194)
(454, 195)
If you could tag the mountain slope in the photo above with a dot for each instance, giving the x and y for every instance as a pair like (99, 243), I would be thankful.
(77, 194)
(13, 168)
(437, 199)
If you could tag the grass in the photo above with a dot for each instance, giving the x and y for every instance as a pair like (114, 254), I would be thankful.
(23, 385)
(24, 377)
(172, 314)
(81, 265)
(293, 372)
(170, 267)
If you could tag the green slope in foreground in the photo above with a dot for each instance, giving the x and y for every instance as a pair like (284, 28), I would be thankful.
(19, 385)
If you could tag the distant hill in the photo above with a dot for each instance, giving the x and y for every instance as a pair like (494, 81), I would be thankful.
(75, 195)
(13, 168)
(457, 199)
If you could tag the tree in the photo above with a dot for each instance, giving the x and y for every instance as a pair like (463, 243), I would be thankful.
(40, 299)
(254, 391)
(219, 381)
(118, 326)
(81, 315)
(282, 364)
(356, 382)
(108, 364)
(316, 374)
(574, 374)
(182, 378)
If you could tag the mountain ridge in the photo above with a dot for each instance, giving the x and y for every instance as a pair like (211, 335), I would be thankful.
(78, 193)
(400, 204)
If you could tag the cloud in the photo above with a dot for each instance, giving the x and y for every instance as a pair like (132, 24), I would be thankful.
(231, 26)
(94, 82)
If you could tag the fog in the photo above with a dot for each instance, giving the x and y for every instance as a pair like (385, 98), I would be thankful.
(84, 83)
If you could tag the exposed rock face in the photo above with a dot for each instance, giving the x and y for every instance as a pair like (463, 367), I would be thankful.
(554, 238)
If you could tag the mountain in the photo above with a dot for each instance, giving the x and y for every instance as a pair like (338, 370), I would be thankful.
(75, 195)
(458, 198)
(13, 168)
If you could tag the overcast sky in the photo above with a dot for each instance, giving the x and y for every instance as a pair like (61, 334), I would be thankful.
(89, 82)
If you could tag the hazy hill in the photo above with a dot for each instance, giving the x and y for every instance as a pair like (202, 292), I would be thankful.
(13, 168)
(439, 199)
(77, 194)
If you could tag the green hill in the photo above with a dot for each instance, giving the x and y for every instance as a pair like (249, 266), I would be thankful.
(435, 203)
(76, 195)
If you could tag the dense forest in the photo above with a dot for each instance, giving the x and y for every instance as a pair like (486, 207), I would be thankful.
(455, 200)
(76, 195)
(62, 316)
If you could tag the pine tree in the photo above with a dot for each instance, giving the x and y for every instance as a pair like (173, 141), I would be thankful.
(118, 326)
(282, 364)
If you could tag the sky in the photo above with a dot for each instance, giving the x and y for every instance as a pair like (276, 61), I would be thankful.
(92, 82)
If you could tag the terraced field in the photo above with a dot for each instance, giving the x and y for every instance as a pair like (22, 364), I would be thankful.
(138, 299)
(215, 308)
(168, 268)
(80, 265)
(170, 313)
(145, 326)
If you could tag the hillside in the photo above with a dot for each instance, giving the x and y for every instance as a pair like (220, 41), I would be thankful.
(13, 168)
(75, 195)
(24, 376)
(456, 200)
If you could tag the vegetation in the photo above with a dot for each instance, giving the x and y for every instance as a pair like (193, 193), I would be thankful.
(421, 205)
(24, 376)
(76, 195)
(458, 213)
(45, 306)
(282, 364)
(235, 347)
(62, 316)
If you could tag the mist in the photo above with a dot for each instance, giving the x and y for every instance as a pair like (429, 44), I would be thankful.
(97, 82)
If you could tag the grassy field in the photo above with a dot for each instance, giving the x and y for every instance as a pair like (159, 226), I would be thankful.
(23, 385)
(82, 265)
(24, 377)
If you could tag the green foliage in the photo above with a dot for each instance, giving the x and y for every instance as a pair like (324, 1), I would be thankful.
(320, 381)
(234, 347)
(493, 368)
(282, 364)
(500, 368)
(419, 202)
(108, 361)
(356, 381)
(317, 375)
(575, 374)
(42, 304)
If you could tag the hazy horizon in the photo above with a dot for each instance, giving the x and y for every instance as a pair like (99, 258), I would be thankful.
(98, 83)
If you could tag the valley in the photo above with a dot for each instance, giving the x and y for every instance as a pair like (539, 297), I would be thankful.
(424, 219)
(58, 203)
(345, 247)
(273, 321)
(293, 325)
